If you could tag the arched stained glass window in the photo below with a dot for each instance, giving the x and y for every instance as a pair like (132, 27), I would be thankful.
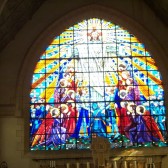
(96, 79)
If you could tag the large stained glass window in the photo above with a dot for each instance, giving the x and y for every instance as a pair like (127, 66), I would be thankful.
(96, 79)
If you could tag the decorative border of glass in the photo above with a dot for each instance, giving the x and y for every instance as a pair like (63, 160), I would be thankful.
(96, 79)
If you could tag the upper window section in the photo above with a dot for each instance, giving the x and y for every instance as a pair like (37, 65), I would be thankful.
(96, 79)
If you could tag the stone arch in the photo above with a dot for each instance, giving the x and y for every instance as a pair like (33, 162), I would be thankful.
(56, 28)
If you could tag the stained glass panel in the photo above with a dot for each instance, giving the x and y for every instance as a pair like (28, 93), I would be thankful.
(96, 79)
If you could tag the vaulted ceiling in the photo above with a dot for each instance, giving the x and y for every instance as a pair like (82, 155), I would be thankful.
(15, 13)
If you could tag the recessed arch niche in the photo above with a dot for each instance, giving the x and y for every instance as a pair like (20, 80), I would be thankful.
(63, 26)
(96, 79)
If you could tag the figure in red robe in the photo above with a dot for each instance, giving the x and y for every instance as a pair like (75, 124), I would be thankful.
(124, 120)
(69, 121)
(46, 127)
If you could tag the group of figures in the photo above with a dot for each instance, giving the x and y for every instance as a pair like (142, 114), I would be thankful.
(74, 115)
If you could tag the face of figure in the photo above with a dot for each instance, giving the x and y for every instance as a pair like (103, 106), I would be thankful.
(71, 94)
(94, 106)
(140, 110)
(125, 75)
(32, 106)
(129, 81)
(122, 104)
(112, 89)
(54, 112)
(112, 105)
(38, 107)
(122, 94)
(63, 83)
(131, 107)
(64, 108)
(84, 91)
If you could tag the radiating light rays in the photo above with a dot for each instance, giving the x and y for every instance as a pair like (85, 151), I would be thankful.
(137, 50)
(134, 39)
(52, 52)
(65, 38)
(111, 79)
(107, 79)
(155, 79)
(107, 25)
(80, 26)
(80, 37)
(94, 23)
(151, 64)
(40, 67)
(148, 73)
(50, 72)
(55, 41)
(49, 92)
(145, 90)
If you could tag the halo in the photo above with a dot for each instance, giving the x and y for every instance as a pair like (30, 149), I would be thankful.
(65, 108)
(140, 109)
(129, 79)
(131, 87)
(72, 103)
(71, 92)
(63, 83)
(123, 93)
(125, 72)
(129, 108)
(123, 103)
(55, 112)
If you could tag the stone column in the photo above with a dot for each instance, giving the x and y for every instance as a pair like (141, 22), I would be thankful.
(135, 164)
(115, 164)
(88, 165)
(67, 165)
(125, 164)
(77, 165)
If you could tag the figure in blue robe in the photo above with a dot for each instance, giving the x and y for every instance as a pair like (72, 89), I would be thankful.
(161, 118)
(82, 123)
(140, 133)
(111, 120)
(98, 123)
